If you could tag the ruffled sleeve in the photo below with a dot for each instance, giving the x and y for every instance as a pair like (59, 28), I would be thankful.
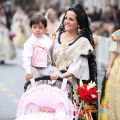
(79, 68)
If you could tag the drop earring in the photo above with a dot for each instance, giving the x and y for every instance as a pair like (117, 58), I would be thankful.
(79, 30)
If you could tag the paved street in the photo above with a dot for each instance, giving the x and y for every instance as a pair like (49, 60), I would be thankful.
(11, 86)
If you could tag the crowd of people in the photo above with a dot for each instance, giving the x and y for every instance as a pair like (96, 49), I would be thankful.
(105, 23)
(71, 53)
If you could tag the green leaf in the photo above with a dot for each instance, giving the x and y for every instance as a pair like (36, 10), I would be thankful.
(75, 91)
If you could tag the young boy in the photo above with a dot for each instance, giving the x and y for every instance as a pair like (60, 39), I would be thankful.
(37, 49)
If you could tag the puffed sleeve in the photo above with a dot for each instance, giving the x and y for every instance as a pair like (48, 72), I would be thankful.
(115, 46)
(27, 54)
(79, 68)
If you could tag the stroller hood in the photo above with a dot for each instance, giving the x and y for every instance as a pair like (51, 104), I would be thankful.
(44, 98)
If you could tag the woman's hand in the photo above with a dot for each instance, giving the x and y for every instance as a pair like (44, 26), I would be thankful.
(108, 73)
(54, 76)
(29, 76)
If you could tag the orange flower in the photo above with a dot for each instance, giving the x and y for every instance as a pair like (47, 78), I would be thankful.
(96, 42)
(54, 34)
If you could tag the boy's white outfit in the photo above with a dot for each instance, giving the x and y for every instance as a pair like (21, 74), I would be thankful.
(37, 54)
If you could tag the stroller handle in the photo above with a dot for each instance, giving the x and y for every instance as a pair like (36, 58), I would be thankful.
(47, 77)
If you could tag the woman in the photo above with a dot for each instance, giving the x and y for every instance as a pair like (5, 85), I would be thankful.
(3, 18)
(113, 72)
(51, 16)
(73, 52)
(20, 27)
(7, 49)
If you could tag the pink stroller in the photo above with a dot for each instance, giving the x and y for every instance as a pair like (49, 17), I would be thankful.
(46, 102)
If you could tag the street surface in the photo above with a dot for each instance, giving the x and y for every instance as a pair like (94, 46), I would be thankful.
(12, 79)
(11, 87)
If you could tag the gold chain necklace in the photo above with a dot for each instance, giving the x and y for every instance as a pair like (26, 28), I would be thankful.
(70, 39)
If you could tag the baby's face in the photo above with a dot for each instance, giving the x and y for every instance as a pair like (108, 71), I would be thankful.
(38, 29)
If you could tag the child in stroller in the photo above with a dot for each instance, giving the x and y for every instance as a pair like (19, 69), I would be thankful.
(45, 102)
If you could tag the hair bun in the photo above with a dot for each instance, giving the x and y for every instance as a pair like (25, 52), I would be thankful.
(79, 6)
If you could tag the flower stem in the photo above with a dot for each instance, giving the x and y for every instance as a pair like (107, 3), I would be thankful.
(77, 116)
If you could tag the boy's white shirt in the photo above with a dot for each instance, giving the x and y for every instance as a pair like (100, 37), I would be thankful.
(28, 50)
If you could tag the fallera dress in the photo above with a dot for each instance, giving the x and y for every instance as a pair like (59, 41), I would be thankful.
(110, 104)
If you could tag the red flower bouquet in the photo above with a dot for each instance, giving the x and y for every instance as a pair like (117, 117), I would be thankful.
(87, 94)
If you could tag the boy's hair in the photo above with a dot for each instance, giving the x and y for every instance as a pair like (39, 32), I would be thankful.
(37, 18)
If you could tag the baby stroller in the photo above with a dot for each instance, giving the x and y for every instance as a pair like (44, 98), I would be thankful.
(46, 102)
